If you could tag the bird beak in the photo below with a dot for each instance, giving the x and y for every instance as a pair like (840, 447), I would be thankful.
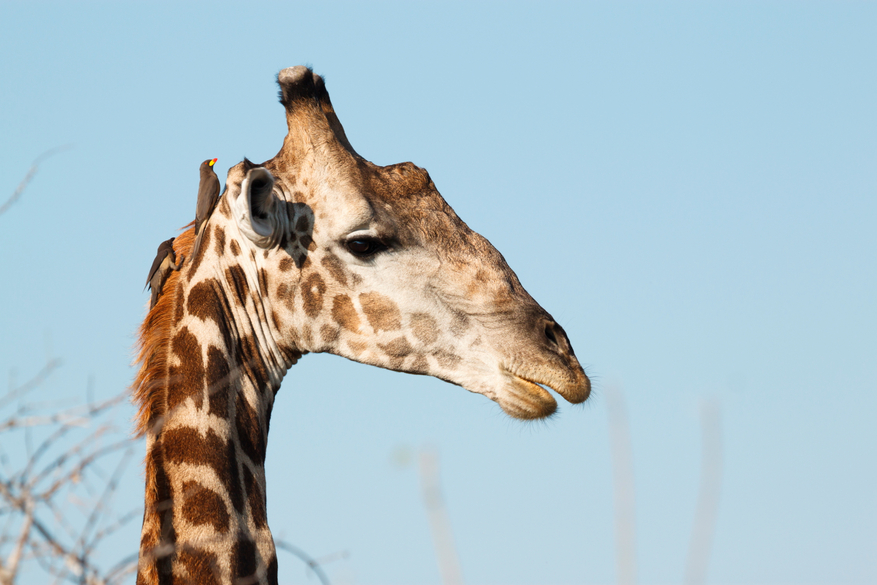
(213, 162)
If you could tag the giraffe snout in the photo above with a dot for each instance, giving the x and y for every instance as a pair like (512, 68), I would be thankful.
(572, 383)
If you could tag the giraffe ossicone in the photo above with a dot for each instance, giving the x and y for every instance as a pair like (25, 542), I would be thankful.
(315, 250)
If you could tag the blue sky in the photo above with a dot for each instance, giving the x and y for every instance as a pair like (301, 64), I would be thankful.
(690, 189)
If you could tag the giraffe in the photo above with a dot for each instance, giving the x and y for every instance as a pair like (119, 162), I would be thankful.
(314, 250)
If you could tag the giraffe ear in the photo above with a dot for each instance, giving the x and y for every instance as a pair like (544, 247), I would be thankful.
(259, 213)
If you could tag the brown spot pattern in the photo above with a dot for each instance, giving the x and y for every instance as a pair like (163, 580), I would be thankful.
(203, 301)
(156, 516)
(178, 311)
(252, 363)
(235, 248)
(312, 295)
(255, 498)
(306, 336)
(357, 347)
(424, 327)
(237, 281)
(331, 263)
(204, 506)
(272, 570)
(286, 264)
(244, 560)
(381, 312)
(218, 383)
(206, 302)
(329, 334)
(202, 566)
(224, 208)
(249, 430)
(460, 323)
(420, 365)
(187, 378)
(446, 359)
(282, 290)
(186, 445)
(344, 313)
(263, 279)
(275, 320)
(398, 348)
(220, 240)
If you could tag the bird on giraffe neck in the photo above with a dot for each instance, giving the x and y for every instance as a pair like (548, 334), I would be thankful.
(165, 261)
(208, 196)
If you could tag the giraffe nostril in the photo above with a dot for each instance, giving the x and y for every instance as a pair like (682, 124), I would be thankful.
(549, 333)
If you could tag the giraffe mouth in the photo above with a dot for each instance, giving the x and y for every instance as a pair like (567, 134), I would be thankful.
(526, 398)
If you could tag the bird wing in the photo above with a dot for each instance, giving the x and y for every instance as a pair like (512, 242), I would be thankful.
(164, 249)
(208, 195)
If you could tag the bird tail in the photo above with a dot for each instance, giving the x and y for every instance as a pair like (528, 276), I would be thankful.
(197, 245)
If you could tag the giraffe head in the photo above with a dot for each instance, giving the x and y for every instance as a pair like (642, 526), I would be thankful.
(370, 263)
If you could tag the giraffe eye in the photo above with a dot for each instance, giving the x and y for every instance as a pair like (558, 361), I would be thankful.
(365, 247)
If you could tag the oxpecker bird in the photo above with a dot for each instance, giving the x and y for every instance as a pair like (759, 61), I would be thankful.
(208, 196)
(165, 261)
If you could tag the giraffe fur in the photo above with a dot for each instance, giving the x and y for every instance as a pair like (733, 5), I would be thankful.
(314, 250)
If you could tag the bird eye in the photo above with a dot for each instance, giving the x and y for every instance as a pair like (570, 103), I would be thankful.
(365, 247)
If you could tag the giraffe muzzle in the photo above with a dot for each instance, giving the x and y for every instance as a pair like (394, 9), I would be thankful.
(524, 395)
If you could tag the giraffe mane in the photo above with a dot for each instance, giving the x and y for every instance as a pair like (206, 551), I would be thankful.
(153, 342)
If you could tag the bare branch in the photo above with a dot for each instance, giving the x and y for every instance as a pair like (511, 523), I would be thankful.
(101, 505)
(39, 378)
(56, 501)
(15, 557)
(122, 569)
(30, 175)
(439, 521)
(311, 563)
(707, 510)
(622, 467)
(55, 504)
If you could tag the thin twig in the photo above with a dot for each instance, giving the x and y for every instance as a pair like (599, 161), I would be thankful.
(24, 533)
(47, 533)
(39, 378)
(101, 505)
(30, 175)
(707, 510)
(622, 468)
(311, 563)
(439, 520)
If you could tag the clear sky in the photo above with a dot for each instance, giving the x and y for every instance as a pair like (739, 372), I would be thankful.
(690, 189)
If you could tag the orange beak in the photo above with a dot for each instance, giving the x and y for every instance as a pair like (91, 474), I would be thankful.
(213, 162)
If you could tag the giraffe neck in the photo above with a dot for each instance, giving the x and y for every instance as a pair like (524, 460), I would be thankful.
(205, 519)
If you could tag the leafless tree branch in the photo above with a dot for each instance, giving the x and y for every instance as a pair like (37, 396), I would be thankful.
(35, 165)
(707, 511)
(54, 500)
(622, 468)
(312, 564)
(439, 520)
